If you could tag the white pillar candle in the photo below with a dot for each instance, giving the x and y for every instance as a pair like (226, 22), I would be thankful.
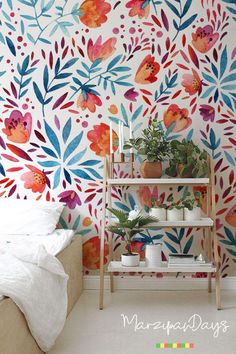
(120, 137)
(131, 134)
(111, 139)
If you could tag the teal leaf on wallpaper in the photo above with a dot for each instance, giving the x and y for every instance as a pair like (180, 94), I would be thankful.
(73, 145)
(49, 151)
(173, 8)
(231, 77)
(38, 93)
(223, 62)
(2, 171)
(227, 101)
(209, 78)
(93, 172)
(186, 7)
(75, 159)
(122, 206)
(67, 176)
(114, 62)
(82, 174)
(208, 92)
(57, 176)
(188, 245)
(136, 113)
(170, 247)
(90, 163)
(52, 138)
(49, 163)
(11, 46)
(190, 135)
(229, 158)
(172, 238)
(187, 23)
(9, 2)
(66, 130)
(48, 6)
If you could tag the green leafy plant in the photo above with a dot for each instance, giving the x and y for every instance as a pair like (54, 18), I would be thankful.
(175, 205)
(158, 204)
(152, 143)
(127, 228)
(191, 203)
(187, 160)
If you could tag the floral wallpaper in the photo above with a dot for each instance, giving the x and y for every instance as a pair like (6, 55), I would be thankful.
(70, 67)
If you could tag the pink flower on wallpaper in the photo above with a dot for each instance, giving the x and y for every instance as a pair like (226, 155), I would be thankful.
(177, 115)
(71, 198)
(147, 71)
(18, 127)
(207, 112)
(93, 12)
(192, 83)
(99, 50)
(88, 101)
(204, 38)
(131, 95)
(140, 8)
(34, 179)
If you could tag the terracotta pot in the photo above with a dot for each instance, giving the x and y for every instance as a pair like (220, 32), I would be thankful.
(151, 169)
(188, 175)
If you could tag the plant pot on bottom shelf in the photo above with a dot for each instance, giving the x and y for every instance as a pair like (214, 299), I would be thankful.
(191, 215)
(175, 214)
(130, 259)
(151, 169)
(153, 255)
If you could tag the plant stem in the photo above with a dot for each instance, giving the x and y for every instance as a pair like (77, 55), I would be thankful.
(180, 21)
(89, 80)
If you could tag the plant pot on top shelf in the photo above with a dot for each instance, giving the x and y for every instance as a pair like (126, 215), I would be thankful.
(127, 227)
(187, 160)
(158, 210)
(154, 147)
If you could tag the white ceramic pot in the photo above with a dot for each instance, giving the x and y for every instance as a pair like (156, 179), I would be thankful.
(175, 214)
(190, 215)
(153, 255)
(128, 260)
(159, 213)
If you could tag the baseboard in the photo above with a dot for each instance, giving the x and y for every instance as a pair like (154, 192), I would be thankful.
(91, 282)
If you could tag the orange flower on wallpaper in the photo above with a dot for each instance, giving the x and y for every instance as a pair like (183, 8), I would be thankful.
(204, 38)
(88, 101)
(18, 127)
(34, 180)
(146, 194)
(99, 50)
(231, 216)
(93, 12)
(203, 198)
(192, 83)
(147, 71)
(91, 253)
(140, 8)
(177, 115)
(100, 138)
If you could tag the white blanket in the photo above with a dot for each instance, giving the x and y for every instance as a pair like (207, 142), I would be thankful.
(35, 280)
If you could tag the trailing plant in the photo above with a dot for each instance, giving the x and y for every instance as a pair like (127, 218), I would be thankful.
(128, 228)
(187, 160)
(152, 143)
(191, 203)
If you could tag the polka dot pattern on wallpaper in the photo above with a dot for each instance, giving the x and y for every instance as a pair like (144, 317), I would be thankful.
(70, 67)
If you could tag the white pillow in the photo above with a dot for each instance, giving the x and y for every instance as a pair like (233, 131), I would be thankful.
(28, 217)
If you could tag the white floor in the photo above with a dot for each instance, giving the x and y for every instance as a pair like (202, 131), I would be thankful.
(92, 331)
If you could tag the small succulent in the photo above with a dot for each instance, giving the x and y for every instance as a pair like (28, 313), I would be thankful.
(190, 203)
(158, 204)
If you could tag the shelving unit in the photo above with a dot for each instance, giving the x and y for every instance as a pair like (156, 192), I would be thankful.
(207, 224)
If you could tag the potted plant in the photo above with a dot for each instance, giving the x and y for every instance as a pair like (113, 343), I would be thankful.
(192, 206)
(153, 145)
(127, 228)
(175, 210)
(187, 160)
(158, 209)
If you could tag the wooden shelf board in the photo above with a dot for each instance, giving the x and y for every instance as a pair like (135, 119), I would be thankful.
(116, 266)
(157, 181)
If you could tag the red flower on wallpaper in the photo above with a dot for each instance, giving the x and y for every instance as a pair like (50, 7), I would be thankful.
(34, 180)
(145, 195)
(93, 12)
(100, 138)
(71, 198)
(203, 198)
(89, 101)
(99, 50)
(192, 83)
(207, 112)
(140, 8)
(18, 127)
(147, 71)
(177, 115)
(204, 38)
(138, 247)
(91, 253)
(231, 216)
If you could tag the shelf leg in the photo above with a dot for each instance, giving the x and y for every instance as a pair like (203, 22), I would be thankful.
(110, 239)
(102, 240)
(218, 290)
(111, 283)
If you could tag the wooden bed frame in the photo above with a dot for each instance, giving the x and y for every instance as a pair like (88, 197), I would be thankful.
(15, 336)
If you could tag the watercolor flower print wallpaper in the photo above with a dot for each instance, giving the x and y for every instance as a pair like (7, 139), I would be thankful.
(68, 68)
